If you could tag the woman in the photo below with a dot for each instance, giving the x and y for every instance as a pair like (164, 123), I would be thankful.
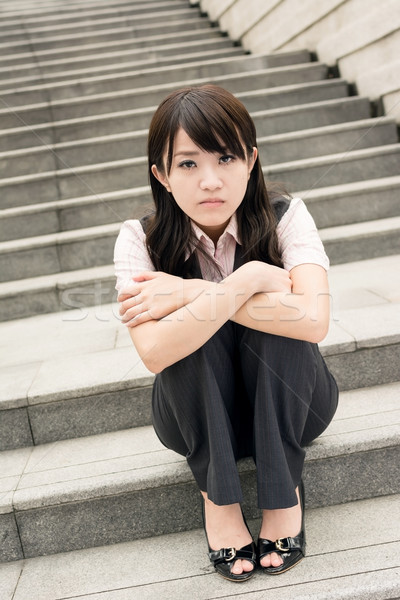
(225, 294)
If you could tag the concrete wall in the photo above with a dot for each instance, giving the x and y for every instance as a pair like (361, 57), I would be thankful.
(361, 36)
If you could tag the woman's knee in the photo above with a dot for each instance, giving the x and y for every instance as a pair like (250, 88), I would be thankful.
(283, 355)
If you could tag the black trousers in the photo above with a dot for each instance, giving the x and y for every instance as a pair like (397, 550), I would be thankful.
(245, 393)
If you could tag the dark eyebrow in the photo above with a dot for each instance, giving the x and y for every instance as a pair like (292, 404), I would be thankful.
(194, 153)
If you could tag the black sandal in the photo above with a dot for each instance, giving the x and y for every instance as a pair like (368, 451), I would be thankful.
(224, 559)
(291, 549)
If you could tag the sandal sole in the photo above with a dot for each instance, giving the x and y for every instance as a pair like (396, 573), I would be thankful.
(267, 572)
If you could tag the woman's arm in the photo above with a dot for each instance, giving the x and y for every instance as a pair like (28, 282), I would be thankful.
(154, 295)
(302, 314)
(169, 317)
(162, 342)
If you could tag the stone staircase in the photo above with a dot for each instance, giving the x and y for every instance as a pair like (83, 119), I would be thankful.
(88, 494)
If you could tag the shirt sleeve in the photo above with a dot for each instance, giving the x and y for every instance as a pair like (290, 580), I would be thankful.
(130, 253)
(299, 242)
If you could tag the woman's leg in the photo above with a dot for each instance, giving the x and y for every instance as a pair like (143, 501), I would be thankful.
(280, 376)
(294, 398)
(323, 403)
(197, 413)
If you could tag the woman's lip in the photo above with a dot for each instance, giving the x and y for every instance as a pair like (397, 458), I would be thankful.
(212, 201)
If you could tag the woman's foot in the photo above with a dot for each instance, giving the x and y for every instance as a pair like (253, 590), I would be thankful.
(226, 528)
(280, 523)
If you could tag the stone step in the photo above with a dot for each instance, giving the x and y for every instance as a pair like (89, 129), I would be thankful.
(65, 215)
(23, 6)
(71, 116)
(71, 54)
(19, 56)
(64, 45)
(345, 166)
(340, 564)
(153, 76)
(268, 122)
(170, 54)
(330, 139)
(358, 241)
(356, 202)
(28, 5)
(61, 291)
(157, 84)
(54, 253)
(86, 358)
(32, 69)
(58, 19)
(20, 7)
(106, 34)
(116, 487)
(337, 205)
(56, 11)
(13, 31)
(38, 77)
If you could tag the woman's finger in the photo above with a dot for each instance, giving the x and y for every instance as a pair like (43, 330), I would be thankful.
(147, 275)
(142, 317)
(132, 312)
(124, 306)
(129, 303)
(130, 290)
(122, 296)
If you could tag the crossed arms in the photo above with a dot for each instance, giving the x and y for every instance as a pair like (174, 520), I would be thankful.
(169, 317)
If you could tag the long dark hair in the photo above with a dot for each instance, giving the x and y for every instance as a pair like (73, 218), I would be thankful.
(216, 121)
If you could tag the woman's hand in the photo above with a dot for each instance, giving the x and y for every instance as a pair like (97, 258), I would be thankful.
(265, 278)
(153, 295)
(302, 314)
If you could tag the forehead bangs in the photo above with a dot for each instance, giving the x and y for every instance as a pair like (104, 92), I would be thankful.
(212, 123)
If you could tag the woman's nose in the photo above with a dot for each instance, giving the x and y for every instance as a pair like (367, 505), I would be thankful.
(210, 180)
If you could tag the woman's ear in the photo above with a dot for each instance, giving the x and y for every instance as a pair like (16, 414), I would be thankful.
(253, 157)
(252, 160)
(159, 175)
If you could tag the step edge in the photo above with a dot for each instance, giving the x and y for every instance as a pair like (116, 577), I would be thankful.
(312, 66)
(166, 474)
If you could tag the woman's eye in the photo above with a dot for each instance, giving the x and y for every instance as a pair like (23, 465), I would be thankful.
(187, 164)
(227, 158)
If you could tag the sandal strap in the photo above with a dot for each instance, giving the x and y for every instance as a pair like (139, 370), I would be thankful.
(227, 555)
(281, 545)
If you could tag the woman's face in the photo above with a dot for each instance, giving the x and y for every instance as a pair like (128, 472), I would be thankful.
(208, 187)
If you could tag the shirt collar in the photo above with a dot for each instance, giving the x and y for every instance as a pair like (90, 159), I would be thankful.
(231, 229)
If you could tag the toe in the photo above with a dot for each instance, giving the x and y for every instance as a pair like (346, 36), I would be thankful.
(276, 560)
(266, 561)
(271, 560)
(242, 566)
(237, 568)
(247, 566)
